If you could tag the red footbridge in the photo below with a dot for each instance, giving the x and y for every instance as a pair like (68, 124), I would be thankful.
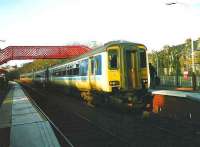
(41, 52)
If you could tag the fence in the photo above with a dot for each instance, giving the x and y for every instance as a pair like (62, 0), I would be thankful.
(170, 81)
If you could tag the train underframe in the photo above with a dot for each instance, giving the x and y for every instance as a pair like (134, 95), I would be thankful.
(132, 100)
(138, 99)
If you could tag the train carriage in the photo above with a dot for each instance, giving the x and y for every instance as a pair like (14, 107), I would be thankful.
(116, 67)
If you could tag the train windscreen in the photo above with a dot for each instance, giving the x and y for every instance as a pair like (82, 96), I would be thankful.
(113, 55)
(143, 61)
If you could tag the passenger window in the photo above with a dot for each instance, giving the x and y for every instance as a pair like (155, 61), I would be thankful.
(38, 76)
(76, 70)
(112, 59)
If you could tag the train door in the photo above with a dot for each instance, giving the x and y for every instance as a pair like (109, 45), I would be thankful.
(92, 72)
(132, 70)
(96, 71)
(114, 67)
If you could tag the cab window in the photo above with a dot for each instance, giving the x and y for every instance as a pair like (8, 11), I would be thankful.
(143, 60)
(112, 59)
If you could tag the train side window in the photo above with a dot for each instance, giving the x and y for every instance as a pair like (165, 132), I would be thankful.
(57, 74)
(63, 72)
(70, 71)
(98, 65)
(38, 76)
(76, 69)
(92, 66)
(84, 67)
(112, 58)
(66, 70)
(143, 62)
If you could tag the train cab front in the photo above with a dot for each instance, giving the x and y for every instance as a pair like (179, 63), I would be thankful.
(128, 73)
(114, 72)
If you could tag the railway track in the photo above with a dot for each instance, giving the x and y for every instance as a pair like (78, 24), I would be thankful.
(77, 130)
(187, 131)
(85, 129)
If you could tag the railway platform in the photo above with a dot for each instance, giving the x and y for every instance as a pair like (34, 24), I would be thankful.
(181, 94)
(21, 124)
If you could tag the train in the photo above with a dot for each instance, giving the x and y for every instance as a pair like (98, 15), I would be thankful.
(116, 71)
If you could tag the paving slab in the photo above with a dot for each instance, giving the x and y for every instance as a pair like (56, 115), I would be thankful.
(33, 135)
(19, 110)
(21, 125)
(26, 118)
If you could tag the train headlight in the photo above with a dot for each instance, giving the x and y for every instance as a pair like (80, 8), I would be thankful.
(145, 81)
(113, 83)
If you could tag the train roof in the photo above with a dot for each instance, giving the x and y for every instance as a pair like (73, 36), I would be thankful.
(93, 52)
(101, 49)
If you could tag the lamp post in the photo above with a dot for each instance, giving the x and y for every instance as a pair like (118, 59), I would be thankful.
(177, 70)
(192, 44)
(157, 64)
(192, 47)
(192, 50)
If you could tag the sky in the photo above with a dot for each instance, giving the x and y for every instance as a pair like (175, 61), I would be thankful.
(61, 22)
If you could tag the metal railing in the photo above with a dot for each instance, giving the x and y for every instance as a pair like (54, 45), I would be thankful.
(170, 81)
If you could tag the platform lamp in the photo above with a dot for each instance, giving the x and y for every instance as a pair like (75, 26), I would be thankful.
(192, 43)
(2, 40)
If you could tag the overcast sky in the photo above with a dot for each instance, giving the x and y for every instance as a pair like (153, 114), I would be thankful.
(59, 22)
